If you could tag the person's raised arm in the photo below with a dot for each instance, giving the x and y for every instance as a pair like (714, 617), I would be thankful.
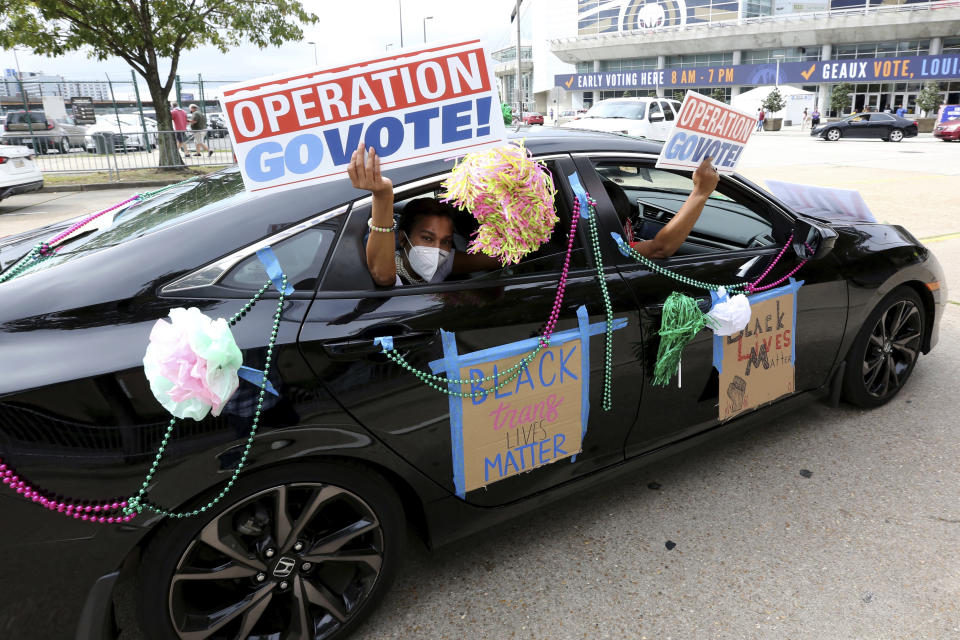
(675, 232)
(364, 172)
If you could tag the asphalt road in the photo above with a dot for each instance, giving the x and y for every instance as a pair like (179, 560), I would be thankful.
(827, 524)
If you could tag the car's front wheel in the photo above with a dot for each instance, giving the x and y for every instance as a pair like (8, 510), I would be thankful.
(896, 135)
(300, 551)
(886, 349)
(64, 145)
(832, 135)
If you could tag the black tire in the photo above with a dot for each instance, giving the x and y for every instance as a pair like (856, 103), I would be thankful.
(886, 350)
(896, 135)
(349, 513)
(64, 146)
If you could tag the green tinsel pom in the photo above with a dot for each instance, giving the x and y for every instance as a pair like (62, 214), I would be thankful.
(681, 321)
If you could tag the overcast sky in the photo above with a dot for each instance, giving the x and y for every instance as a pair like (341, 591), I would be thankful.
(347, 30)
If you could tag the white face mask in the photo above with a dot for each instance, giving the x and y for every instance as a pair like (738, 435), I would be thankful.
(425, 261)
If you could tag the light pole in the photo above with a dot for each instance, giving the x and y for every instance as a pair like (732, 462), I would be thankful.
(776, 80)
(387, 48)
(400, 9)
(314, 53)
(425, 28)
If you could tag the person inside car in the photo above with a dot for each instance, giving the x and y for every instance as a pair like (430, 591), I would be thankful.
(426, 253)
(673, 234)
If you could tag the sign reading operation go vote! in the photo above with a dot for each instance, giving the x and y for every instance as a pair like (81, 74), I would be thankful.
(706, 127)
(295, 130)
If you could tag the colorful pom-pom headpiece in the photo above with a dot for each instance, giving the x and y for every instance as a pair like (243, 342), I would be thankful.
(510, 195)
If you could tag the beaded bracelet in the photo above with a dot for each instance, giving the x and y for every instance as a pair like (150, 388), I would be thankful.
(374, 227)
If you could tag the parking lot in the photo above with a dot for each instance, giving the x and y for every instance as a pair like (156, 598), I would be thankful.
(829, 523)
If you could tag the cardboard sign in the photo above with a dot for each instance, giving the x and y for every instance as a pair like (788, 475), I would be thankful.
(535, 419)
(300, 129)
(756, 366)
(844, 205)
(706, 127)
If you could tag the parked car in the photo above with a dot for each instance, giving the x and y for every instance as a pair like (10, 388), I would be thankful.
(569, 115)
(217, 125)
(885, 126)
(36, 130)
(947, 131)
(18, 172)
(532, 117)
(354, 449)
(650, 118)
(126, 130)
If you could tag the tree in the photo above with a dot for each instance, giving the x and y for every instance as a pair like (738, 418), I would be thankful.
(144, 32)
(719, 94)
(774, 101)
(679, 95)
(929, 97)
(840, 97)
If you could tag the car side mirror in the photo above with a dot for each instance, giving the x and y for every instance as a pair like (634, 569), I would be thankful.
(811, 240)
(656, 117)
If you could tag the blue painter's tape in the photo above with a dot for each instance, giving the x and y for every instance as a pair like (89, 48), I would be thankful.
(272, 265)
(452, 365)
(522, 347)
(621, 244)
(385, 342)
(583, 324)
(581, 194)
(255, 376)
(793, 287)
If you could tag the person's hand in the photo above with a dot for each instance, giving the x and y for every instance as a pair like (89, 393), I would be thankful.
(705, 178)
(364, 172)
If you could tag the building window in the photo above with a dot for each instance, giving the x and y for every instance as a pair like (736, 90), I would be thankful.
(628, 64)
(790, 54)
(951, 45)
(881, 49)
(699, 60)
(585, 67)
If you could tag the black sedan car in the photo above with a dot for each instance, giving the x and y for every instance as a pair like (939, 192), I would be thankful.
(354, 450)
(885, 126)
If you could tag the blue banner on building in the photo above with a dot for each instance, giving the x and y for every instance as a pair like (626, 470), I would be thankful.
(903, 69)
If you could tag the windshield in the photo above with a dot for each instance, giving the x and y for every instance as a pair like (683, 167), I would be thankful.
(166, 209)
(631, 110)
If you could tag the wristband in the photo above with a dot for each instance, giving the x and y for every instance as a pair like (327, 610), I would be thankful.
(374, 227)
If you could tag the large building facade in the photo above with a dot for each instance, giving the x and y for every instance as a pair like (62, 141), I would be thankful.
(588, 50)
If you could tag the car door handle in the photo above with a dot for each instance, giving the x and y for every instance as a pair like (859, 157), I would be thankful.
(359, 347)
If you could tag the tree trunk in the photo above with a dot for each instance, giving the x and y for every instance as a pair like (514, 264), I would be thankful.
(167, 143)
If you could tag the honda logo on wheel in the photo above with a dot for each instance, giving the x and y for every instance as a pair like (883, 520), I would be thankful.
(284, 567)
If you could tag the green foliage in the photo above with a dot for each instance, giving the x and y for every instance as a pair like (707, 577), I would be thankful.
(507, 113)
(840, 97)
(679, 95)
(774, 101)
(929, 97)
(719, 94)
(144, 32)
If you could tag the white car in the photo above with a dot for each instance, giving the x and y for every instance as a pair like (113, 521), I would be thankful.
(127, 131)
(18, 172)
(650, 118)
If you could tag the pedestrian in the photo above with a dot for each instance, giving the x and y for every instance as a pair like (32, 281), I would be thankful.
(760, 118)
(551, 114)
(815, 118)
(198, 127)
(901, 111)
(179, 117)
(804, 119)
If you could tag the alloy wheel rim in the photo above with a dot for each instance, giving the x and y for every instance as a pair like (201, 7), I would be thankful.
(833, 134)
(892, 349)
(896, 136)
(294, 561)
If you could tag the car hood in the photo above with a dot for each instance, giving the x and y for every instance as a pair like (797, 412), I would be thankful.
(607, 125)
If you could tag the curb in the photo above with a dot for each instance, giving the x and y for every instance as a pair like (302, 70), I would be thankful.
(99, 186)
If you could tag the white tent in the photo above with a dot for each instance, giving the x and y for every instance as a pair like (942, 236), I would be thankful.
(796, 99)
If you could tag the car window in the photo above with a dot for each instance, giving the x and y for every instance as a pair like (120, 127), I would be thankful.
(881, 117)
(728, 222)
(667, 110)
(630, 110)
(302, 257)
(860, 117)
(36, 117)
(549, 258)
(655, 110)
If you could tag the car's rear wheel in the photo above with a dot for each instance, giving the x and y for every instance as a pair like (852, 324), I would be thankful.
(886, 349)
(833, 135)
(896, 135)
(301, 551)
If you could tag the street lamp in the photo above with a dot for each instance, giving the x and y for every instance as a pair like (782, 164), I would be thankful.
(314, 53)
(387, 48)
(776, 80)
(425, 28)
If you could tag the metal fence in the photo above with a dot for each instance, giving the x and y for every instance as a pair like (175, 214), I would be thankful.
(116, 152)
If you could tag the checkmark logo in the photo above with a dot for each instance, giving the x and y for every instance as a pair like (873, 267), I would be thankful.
(809, 72)
(568, 82)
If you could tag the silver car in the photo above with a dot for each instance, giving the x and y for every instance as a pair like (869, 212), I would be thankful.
(34, 129)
